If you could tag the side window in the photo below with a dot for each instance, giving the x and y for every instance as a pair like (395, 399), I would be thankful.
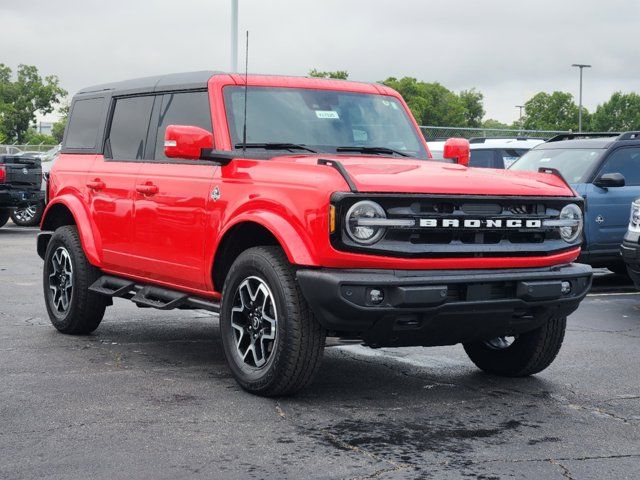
(510, 155)
(482, 159)
(625, 161)
(187, 108)
(129, 127)
(84, 121)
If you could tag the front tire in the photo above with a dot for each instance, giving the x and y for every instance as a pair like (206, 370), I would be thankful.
(529, 353)
(67, 276)
(28, 216)
(271, 339)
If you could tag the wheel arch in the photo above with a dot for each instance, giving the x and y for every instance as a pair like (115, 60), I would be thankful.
(69, 210)
(253, 231)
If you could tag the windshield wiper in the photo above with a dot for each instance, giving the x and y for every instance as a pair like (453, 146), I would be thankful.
(275, 146)
(374, 150)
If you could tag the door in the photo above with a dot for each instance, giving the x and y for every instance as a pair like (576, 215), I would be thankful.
(112, 177)
(608, 208)
(171, 198)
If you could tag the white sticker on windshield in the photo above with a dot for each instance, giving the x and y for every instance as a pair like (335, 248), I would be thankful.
(327, 114)
(545, 160)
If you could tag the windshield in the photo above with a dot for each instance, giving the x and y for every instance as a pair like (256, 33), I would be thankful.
(574, 164)
(322, 120)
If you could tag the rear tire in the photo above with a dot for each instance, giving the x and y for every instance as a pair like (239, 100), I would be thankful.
(530, 352)
(67, 276)
(271, 339)
(28, 216)
(5, 213)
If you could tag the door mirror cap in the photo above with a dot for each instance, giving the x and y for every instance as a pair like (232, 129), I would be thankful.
(610, 180)
(457, 149)
(186, 141)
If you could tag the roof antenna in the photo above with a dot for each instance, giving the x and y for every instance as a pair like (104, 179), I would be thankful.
(246, 85)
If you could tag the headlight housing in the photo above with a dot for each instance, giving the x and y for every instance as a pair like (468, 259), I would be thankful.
(572, 223)
(634, 221)
(362, 222)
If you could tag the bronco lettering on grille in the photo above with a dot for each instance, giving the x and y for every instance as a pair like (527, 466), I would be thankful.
(480, 223)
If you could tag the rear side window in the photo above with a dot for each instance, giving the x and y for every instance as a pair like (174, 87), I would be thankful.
(84, 122)
(187, 108)
(482, 159)
(129, 127)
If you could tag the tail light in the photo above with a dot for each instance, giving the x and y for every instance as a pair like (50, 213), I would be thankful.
(3, 174)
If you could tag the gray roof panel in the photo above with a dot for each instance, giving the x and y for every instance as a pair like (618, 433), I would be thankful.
(173, 81)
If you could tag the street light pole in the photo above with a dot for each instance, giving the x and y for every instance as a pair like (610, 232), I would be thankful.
(581, 66)
(234, 36)
(520, 117)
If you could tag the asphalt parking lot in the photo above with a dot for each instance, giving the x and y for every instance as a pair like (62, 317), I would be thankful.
(148, 395)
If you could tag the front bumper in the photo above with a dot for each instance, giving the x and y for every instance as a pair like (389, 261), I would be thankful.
(630, 250)
(12, 197)
(441, 307)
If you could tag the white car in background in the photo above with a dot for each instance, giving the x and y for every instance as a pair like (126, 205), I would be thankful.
(498, 153)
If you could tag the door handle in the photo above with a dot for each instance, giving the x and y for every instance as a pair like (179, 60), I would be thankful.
(147, 189)
(96, 184)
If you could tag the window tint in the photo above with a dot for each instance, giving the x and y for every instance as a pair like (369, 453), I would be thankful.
(190, 108)
(129, 127)
(84, 122)
(625, 161)
(482, 158)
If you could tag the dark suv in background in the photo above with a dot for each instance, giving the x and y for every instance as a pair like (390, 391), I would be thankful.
(604, 168)
(20, 183)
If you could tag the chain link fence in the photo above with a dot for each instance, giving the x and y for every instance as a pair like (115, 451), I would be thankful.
(442, 133)
(17, 149)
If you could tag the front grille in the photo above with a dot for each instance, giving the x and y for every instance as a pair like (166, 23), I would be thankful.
(484, 228)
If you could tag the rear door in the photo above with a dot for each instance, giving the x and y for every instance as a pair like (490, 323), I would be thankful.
(112, 178)
(171, 198)
(609, 208)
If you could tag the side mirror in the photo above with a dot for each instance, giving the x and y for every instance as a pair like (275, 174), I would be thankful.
(186, 141)
(610, 180)
(457, 149)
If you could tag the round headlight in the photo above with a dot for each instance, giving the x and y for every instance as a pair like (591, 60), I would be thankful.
(573, 213)
(634, 222)
(360, 232)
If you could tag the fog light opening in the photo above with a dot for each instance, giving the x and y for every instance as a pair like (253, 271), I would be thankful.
(565, 288)
(376, 296)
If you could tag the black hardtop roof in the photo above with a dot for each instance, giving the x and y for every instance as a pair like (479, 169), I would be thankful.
(600, 142)
(173, 81)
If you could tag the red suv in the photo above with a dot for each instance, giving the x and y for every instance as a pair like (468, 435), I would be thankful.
(299, 208)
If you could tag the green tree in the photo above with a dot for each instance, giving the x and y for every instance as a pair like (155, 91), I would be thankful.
(338, 74)
(57, 131)
(22, 97)
(491, 123)
(620, 113)
(32, 137)
(555, 111)
(473, 106)
(431, 103)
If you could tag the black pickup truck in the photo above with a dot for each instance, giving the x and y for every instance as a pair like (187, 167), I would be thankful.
(20, 183)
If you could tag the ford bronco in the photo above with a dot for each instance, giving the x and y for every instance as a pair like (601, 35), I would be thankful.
(298, 209)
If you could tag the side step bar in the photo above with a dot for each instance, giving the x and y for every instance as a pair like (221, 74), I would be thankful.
(148, 296)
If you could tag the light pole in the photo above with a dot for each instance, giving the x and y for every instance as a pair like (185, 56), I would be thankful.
(581, 66)
(234, 36)
(520, 117)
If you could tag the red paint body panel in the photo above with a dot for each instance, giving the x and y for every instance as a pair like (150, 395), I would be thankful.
(156, 222)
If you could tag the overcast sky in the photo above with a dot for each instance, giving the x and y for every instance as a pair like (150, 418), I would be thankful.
(508, 49)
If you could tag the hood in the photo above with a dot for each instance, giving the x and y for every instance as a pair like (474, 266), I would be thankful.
(393, 175)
